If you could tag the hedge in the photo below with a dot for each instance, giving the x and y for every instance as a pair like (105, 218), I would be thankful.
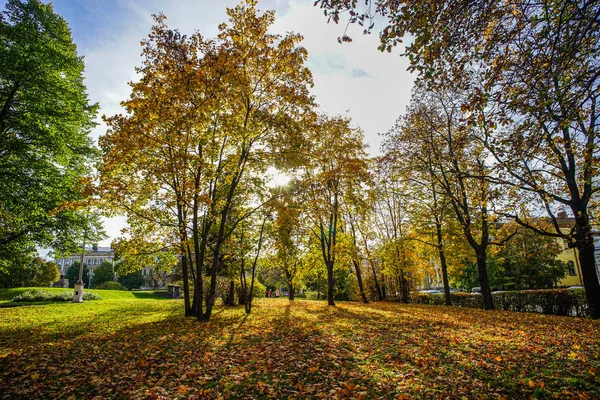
(547, 301)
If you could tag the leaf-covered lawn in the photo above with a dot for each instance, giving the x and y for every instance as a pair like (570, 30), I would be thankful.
(147, 349)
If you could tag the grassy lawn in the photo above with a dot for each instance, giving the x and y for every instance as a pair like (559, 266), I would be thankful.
(147, 349)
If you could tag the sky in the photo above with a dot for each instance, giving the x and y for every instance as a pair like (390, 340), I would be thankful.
(351, 79)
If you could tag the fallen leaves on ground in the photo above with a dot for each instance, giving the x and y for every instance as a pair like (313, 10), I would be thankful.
(304, 349)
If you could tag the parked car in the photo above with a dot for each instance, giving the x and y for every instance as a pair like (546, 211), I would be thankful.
(430, 291)
(476, 289)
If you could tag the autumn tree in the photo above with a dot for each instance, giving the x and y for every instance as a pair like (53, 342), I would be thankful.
(244, 247)
(394, 228)
(289, 235)
(337, 162)
(435, 137)
(536, 65)
(427, 204)
(355, 253)
(205, 119)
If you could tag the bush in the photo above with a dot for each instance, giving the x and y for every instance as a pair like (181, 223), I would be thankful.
(43, 295)
(110, 285)
(310, 295)
(90, 296)
(546, 301)
(258, 291)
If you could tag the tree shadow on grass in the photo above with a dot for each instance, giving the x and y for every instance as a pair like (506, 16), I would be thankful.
(149, 296)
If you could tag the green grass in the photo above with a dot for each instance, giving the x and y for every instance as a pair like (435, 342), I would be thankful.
(7, 295)
(147, 349)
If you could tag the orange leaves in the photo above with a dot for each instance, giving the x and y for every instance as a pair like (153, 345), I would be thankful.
(148, 349)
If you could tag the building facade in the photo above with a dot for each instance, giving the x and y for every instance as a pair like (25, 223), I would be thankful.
(92, 257)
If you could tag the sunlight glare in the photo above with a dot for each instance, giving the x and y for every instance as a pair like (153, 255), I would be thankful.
(277, 177)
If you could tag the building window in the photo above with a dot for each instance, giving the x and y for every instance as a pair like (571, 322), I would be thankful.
(571, 266)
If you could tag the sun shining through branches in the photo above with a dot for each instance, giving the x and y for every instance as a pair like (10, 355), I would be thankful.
(277, 178)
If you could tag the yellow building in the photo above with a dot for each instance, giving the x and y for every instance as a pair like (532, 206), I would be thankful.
(571, 257)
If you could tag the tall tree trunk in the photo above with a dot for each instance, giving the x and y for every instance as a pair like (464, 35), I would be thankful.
(184, 262)
(587, 262)
(290, 291)
(375, 279)
(380, 295)
(330, 283)
(440, 247)
(231, 294)
(360, 282)
(404, 289)
(488, 300)
(186, 287)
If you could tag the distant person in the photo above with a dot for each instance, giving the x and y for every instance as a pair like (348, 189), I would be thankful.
(277, 293)
(270, 293)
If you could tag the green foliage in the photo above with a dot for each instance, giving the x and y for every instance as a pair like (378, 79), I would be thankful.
(27, 271)
(72, 274)
(43, 295)
(133, 280)
(529, 262)
(258, 291)
(468, 277)
(103, 273)
(110, 285)
(45, 119)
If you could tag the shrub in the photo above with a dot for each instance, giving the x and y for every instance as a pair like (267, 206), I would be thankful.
(91, 296)
(110, 285)
(258, 291)
(546, 301)
(43, 295)
(310, 295)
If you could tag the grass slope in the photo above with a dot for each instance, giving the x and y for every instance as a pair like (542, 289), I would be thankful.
(147, 349)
